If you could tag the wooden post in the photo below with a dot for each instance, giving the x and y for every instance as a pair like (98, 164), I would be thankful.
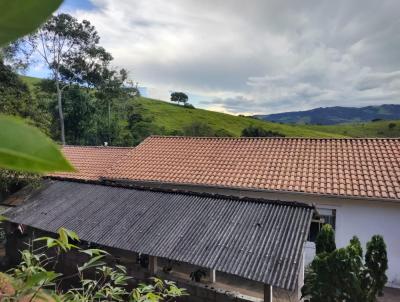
(153, 265)
(212, 275)
(267, 293)
(300, 282)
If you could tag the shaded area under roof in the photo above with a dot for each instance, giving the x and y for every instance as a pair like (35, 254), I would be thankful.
(256, 239)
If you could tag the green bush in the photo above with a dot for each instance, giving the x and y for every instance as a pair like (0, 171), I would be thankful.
(342, 275)
(257, 131)
(198, 129)
(325, 241)
(32, 280)
(188, 105)
(377, 263)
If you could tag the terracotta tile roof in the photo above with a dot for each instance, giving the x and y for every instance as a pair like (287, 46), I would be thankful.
(368, 168)
(90, 162)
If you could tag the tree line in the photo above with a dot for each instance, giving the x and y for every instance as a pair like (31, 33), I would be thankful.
(84, 100)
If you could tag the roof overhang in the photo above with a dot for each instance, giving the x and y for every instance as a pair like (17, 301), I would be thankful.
(189, 186)
(258, 239)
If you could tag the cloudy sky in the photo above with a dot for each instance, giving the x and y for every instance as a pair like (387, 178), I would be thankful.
(255, 56)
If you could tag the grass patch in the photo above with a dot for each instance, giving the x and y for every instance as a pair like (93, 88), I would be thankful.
(172, 117)
(388, 129)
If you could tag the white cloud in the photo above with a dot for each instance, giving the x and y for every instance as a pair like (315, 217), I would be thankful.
(258, 56)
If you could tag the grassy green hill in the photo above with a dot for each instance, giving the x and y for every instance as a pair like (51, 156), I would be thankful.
(369, 129)
(171, 117)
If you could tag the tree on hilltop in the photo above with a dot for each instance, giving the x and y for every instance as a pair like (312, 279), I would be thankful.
(179, 97)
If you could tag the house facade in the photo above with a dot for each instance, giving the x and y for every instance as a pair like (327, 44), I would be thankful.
(353, 183)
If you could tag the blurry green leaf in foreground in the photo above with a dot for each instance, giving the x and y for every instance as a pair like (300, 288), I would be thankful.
(23, 147)
(20, 17)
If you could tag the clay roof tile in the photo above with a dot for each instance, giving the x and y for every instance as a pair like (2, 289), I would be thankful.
(349, 167)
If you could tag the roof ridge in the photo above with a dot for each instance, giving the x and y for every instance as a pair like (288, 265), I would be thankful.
(271, 138)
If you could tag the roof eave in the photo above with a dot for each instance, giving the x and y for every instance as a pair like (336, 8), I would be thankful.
(234, 188)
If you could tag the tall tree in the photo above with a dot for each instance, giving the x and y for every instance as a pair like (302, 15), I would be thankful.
(70, 50)
(79, 109)
(377, 263)
(110, 86)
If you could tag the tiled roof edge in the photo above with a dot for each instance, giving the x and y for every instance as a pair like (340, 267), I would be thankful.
(97, 147)
(271, 138)
(136, 181)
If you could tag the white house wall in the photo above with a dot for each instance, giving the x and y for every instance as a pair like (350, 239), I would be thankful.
(368, 220)
(364, 219)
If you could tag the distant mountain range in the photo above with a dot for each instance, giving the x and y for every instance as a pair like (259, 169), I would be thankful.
(335, 115)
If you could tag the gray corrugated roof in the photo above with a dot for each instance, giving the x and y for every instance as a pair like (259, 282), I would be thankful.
(261, 241)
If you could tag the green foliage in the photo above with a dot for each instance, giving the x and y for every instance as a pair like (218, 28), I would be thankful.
(376, 262)
(331, 277)
(16, 99)
(17, 18)
(341, 274)
(325, 242)
(160, 290)
(257, 131)
(70, 50)
(11, 180)
(356, 246)
(188, 105)
(179, 97)
(63, 242)
(198, 129)
(79, 115)
(13, 91)
(139, 127)
(391, 125)
(32, 279)
(223, 133)
(24, 148)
